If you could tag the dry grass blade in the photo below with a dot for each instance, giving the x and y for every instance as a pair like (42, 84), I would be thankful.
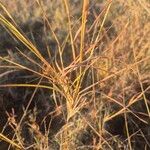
(9, 141)
(83, 26)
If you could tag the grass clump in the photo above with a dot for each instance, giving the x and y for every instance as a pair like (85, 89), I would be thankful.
(74, 75)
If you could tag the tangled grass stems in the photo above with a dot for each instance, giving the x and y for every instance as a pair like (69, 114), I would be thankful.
(86, 80)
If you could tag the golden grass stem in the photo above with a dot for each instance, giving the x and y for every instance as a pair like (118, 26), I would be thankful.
(10, 141)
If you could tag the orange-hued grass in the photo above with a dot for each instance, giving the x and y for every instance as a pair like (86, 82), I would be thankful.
(102, 56)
